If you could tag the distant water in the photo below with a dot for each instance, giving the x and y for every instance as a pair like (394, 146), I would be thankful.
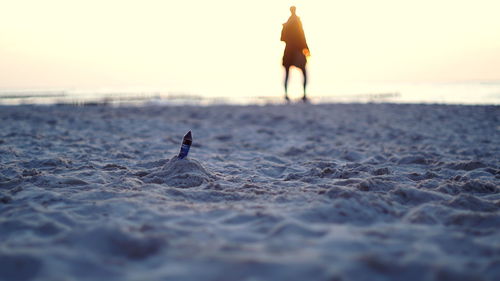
(444, 93)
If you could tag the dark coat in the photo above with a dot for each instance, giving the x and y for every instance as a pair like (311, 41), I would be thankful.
(293, 35)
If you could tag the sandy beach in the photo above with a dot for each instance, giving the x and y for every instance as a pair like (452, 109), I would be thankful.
(278, 192)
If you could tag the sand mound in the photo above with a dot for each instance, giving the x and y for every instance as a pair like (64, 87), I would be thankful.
(182, 173)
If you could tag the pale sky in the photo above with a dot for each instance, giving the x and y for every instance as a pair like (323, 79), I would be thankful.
(231, 46)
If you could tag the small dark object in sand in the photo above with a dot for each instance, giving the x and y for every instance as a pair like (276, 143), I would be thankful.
(186, 144)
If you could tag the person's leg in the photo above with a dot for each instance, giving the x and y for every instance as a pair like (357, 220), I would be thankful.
(287, 72)
(304, 73)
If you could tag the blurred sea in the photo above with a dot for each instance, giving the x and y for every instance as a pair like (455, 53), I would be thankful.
(442, 93)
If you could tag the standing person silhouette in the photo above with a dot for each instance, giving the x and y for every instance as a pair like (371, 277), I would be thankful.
(296, 49)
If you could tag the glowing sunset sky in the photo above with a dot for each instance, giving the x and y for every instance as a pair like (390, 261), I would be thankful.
(233, 46)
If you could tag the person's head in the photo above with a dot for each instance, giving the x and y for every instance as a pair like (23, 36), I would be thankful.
(292, 10)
